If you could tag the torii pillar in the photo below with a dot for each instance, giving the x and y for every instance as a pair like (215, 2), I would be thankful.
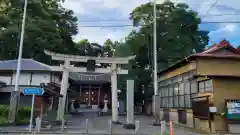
(115, 119)
(63, 91)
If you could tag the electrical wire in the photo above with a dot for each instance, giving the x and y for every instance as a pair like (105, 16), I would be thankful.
(127, 20)
(211, 8)
(130, 25)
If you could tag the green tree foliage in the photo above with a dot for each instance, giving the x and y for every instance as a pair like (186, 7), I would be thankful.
(48, 26)
(177, 37)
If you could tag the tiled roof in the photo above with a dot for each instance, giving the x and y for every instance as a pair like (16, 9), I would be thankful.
(208, 54)
(222, 44)
(27, 64)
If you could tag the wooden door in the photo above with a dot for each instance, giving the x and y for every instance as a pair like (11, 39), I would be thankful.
(94, 96)
(86, 95)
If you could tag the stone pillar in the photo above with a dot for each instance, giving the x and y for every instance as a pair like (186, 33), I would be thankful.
(64, 87)
(114, 94)
(13, 109)
(156, 105)
(130, 105)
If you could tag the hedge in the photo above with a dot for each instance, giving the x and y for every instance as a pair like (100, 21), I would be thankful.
(23, 114)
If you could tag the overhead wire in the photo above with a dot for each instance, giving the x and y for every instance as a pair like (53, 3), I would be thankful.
(213, 5)
(127, 20)
(207, 10)
(130, 25)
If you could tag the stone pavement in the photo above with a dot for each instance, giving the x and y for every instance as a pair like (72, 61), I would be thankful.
(100, 125)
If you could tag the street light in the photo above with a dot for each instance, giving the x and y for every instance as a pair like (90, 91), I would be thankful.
(155, 48)
(15, 95)
(21, 47)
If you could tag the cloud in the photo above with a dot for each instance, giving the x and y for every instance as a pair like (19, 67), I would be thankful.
(99, 35)
(95, 10)
(229, 32)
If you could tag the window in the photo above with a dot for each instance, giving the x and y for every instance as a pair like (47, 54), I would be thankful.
(166, 102)
(181, 89)
(181, 101)
(187, 87)
(161, 92)
(176, 101)
(176, 89)
(205, 86)
(208, 85)
(193, 87)
(177, 92)
(201, 86)
(170, 91)
(187, 101)
(170, 102)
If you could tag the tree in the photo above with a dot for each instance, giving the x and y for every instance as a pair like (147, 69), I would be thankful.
(177, 37)
(48, 26)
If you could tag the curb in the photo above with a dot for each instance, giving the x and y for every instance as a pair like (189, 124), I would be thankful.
(67, 133)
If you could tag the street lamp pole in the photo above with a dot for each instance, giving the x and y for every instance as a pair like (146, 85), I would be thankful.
(156, 99)
(155, 48)
(16, 94)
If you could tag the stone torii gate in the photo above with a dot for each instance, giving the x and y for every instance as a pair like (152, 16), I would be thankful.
(67, 67)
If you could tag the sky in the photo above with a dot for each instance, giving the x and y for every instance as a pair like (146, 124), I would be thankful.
(116, 12)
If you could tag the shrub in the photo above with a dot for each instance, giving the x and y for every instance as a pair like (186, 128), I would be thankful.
(24, 112)
(4, 110)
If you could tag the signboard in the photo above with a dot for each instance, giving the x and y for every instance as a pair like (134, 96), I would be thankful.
(233, 109)
(33, 91)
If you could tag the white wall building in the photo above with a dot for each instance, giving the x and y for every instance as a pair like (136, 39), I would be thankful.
(32, 74)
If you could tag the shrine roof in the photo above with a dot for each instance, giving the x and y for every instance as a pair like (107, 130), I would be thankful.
(26, 64)
(223, 50)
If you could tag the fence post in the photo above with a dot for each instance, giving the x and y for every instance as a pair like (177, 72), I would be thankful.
(163, 127)
(87, 126)
(110, 126)
(137, 126)
(38, 125)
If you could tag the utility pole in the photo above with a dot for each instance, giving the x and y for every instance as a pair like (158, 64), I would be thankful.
(155, 48)
(156, 98)
(15, 95)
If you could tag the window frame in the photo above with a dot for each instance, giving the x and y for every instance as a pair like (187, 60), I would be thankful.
(205, 88)
(174, 97)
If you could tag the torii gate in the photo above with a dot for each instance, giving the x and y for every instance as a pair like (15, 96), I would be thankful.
(66, 68)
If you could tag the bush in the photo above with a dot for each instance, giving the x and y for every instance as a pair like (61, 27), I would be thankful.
(4, 110)
(24, 112)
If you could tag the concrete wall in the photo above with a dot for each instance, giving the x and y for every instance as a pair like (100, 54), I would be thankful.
(189, 118)
(199, 124)
(173, 115)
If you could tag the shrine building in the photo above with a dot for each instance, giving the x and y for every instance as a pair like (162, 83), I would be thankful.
(195, 91)
(89, 89)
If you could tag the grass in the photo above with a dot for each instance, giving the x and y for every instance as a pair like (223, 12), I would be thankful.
(4, 121)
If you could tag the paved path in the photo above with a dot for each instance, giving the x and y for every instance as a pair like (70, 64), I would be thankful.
(99, 125)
